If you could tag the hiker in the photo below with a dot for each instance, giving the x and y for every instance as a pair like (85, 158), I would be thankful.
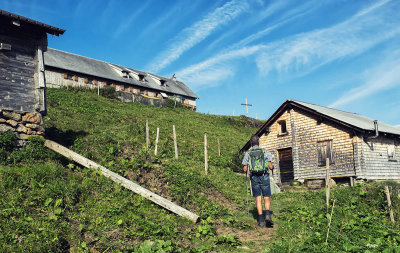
(258, 161)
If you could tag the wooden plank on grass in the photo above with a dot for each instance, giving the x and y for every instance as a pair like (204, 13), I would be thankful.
(122, 181)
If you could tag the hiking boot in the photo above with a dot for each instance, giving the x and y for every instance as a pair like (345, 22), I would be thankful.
(268, 219)
(261, 221)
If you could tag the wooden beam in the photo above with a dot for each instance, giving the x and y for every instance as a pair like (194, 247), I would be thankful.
(122, 181)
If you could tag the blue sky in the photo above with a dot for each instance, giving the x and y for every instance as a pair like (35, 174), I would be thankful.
(343, 54)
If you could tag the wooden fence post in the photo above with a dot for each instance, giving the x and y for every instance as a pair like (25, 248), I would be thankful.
(155, 149)
(327, 182)
(219, 148)
(147, 134)
(175, 143)
(205, 154)
(389, 203)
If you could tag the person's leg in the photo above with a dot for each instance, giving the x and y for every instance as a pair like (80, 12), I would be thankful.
(259, 205)
(256, 187)
(267, 203)
(266, 192)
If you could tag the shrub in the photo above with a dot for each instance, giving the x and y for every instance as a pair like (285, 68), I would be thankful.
(7, 141)
(108, 92)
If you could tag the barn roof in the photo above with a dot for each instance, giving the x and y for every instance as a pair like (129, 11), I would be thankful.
(96, 68)
(355, 121)
(47, 28)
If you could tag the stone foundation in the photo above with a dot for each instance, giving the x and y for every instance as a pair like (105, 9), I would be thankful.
(23, 124)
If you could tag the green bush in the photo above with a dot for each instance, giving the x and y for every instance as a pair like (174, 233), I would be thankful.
(8, 141)
(108, 92)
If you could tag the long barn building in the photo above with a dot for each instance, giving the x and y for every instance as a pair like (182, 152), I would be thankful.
(66, 69)
(301, 136)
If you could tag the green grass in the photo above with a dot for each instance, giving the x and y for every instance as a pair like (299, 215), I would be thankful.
(51, 204)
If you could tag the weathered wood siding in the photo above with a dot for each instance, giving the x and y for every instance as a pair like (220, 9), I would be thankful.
(309, 133)
(273, 141)
(18, 88)
(303, 134)
(378, 166)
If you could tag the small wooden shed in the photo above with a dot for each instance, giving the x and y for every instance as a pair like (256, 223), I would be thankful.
(302, 135)
(22, 80)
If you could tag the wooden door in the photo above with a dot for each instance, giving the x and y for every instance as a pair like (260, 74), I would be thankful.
(286, 165)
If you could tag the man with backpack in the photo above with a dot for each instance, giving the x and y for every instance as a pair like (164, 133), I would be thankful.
(258, 162)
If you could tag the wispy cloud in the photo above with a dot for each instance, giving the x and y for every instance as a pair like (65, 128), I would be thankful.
(382, 77)
(126, 23)
(194, 34)
(304, 53)
(220, 67)
(300, 54)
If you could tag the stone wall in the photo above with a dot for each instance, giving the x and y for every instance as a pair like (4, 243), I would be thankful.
(23, 124)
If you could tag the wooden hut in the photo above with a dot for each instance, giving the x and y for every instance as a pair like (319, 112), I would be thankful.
(22, 80)
(301, 136)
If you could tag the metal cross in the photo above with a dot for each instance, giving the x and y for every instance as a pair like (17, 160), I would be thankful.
(247, 109)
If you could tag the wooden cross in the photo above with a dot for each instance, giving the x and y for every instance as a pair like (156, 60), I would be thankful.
(247, 109)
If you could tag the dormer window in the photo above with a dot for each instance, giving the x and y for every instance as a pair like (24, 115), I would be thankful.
(141, 77)
(163, 83)
(282, 127)
(125, 74)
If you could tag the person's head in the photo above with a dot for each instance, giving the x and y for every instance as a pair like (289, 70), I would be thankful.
(254, 140)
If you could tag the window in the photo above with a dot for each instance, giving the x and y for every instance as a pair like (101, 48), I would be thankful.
(324, 150)
(68, 76)
(163, 83)
(282, 127)
(391, 152)
(141, 77)
(76, 78)
(88, 80)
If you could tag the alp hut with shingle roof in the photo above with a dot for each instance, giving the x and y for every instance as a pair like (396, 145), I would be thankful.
(302, 135)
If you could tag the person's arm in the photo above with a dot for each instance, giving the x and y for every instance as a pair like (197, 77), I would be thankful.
(269, 158)
(245, 161)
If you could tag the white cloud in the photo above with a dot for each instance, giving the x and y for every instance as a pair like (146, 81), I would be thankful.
(301, 54)
(305, 52)
(382, 77)
(209, 72)
(126, 23)
(194, 34)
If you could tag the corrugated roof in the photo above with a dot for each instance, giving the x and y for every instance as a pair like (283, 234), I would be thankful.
(48, 28)
(96, 68)
(353, 119)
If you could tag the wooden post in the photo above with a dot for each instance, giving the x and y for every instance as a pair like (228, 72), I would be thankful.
(219, 148)
(205, 154)
(122, 181)
(327, 182)
(155, 149)
(175, 143)
(389, 203)
(147, 134)
(351, 181)
(98, 88)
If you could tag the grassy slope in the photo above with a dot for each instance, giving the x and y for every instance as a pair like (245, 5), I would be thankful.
(54, 205)
(93, 212)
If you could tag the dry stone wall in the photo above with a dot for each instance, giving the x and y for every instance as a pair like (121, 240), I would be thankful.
(23, 124)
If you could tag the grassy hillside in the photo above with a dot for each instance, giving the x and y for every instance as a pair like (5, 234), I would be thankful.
(51, 204)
